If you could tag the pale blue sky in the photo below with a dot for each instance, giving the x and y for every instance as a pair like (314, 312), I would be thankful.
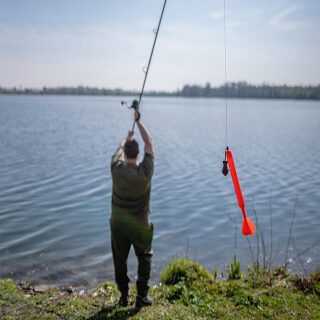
(106, 43)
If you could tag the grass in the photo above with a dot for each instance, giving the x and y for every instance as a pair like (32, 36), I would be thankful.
(187, 291)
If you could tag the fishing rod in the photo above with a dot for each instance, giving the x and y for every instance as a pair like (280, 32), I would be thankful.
(136, 103)
(248, 227)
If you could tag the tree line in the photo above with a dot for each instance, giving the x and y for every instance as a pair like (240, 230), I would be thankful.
(246, 90)
(232, 90)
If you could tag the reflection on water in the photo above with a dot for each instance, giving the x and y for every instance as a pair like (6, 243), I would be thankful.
(55, 187)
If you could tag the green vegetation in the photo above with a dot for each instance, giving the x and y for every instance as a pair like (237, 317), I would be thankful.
(234, 269)
(186, 271)
(187, 291)
(234, 89)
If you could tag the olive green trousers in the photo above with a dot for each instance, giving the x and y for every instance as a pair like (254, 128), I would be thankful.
(127, 230)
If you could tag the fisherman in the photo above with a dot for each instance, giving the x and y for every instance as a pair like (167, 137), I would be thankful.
(129, 222)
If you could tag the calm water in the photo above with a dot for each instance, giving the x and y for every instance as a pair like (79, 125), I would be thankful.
(55, 187)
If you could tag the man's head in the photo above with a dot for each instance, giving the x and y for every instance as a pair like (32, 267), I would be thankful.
(131, 149)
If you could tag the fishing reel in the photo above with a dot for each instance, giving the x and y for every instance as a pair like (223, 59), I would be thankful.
(225, 169)
(134, 105)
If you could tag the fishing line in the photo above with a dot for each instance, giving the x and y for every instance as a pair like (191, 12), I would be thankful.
(225, 68)
(248, 227)
(225, 169)
(136, 103)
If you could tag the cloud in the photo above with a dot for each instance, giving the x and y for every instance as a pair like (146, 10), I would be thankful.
(217, 15)
(284, 20)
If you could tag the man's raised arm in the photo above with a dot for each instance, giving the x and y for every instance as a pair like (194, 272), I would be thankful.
(148, 146)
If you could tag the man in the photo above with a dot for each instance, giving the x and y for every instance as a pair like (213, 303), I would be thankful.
(129, 221)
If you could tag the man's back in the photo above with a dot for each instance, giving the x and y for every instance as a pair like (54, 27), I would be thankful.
(132, 185)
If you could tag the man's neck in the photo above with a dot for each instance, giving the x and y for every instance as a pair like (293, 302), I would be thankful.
(131, 161)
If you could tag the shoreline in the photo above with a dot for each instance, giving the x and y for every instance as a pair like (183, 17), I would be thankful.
(34, 94)
(231, 89)
(187, 291)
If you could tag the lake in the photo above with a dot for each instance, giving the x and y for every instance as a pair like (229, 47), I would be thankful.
(55, 183)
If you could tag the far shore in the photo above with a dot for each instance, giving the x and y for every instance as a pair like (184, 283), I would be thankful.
(151, 96)
(238, 90)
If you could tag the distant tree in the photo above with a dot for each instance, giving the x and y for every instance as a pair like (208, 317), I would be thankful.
(207, 90)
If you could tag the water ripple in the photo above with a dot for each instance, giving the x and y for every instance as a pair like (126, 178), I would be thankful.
(55, 184)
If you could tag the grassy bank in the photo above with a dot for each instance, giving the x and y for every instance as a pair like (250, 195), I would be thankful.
(187, 291)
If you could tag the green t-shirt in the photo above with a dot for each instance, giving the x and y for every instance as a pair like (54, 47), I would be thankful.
(131, 184)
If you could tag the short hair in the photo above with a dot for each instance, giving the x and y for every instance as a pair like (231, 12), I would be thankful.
(131, 149)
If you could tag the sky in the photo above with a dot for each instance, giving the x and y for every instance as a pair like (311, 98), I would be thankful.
(106, 43)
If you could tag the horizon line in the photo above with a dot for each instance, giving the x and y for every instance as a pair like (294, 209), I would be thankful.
(61, 86)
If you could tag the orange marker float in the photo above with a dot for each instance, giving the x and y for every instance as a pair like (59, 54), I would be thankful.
(248, 227)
